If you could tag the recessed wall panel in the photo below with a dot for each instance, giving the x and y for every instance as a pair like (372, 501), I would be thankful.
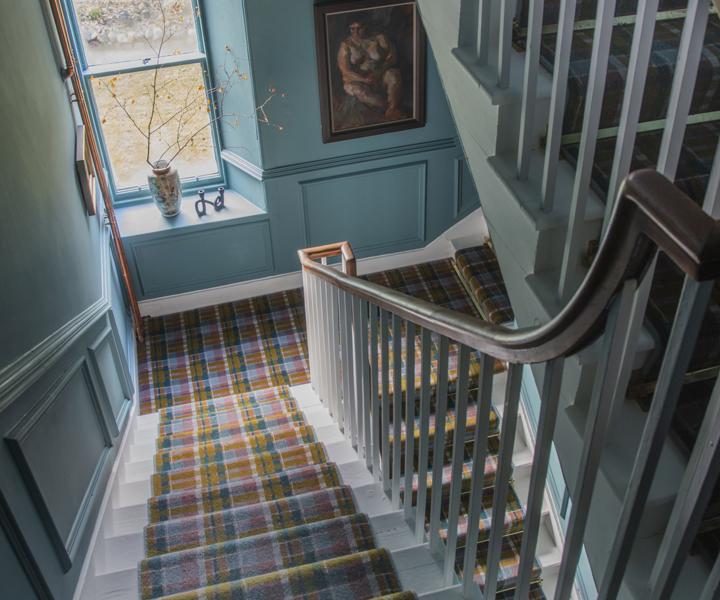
(60, 447)
(109, 367)
(373, 210)
(209, 257)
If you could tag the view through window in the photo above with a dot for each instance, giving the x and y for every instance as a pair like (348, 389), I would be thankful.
(145, 66)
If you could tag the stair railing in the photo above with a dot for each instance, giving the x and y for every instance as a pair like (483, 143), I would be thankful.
(348, 316)
(477, 29)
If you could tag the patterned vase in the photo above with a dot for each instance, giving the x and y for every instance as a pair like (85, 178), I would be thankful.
(165, 188)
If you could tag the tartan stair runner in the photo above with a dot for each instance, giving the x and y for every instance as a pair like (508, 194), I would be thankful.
(250, 399)
(480, 270)
(245, 501)
(258, 555)
(253, 466)
(230, 432)
(238, 448)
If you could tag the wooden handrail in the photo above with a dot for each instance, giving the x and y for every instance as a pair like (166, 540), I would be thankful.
(341, 248)
(72, 72)
(650, 213)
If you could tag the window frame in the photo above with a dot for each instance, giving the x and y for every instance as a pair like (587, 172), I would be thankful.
(141, 195)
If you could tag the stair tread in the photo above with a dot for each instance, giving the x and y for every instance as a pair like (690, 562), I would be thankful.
(509, 563)
(203, 407)
(362, 576)
(252, 556)
(514, 517)
(233, 449)
(225, 432)
(471, 419)
(251, 490)
(247, 521)
(666, 39)
(490, 469)
(480, 269)
(254, 466)
(232, 416)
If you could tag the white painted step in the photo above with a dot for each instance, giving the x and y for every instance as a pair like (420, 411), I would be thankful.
(128, 494)
(419, 570)
(127, 519)
(392, 531)
(117, 585)
(122, 552)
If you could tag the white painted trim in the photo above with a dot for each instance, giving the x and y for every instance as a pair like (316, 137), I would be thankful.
(470, 231)
(225, 293)
(120, 458)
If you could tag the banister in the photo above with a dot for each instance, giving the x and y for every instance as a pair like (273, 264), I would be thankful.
(340, 248)
(650, 212)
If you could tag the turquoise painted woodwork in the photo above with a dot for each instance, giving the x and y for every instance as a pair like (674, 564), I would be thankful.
(59, 293)
(18, 584)
(271, 168)
(57, 452)
(61, 448)
(373, 210)
(113, 376)
(50, 265)
(203, 258)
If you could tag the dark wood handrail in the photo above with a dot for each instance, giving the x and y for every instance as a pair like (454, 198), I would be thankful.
(339, 249)
(72, 72)
(650, 213)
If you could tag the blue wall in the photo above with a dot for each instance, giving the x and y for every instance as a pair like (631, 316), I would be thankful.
(385, 193)
(64, 385)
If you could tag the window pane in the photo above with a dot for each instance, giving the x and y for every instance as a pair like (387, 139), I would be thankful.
(120, 30)
(180, 119)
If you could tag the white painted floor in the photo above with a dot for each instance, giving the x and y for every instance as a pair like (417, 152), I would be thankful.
(112, 568)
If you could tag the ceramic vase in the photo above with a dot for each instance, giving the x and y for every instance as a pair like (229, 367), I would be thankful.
(165, 188)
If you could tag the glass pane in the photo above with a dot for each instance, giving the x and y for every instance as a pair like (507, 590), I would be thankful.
(119, 30)
(177, 119)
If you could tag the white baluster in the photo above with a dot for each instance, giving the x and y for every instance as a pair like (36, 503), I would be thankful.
(480, 446)
(439, 443)
(409, 417)
(502, 477)
(632, 100)
(538, 475)
(532, 66)
(458, 455)
(557, 101)
(385, 430)
(424, 431)
(397, 408)
(586, 153)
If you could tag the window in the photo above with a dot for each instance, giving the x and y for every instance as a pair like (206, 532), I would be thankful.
(126, 48)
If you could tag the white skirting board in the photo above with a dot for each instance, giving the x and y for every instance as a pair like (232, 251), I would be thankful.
(470, 231)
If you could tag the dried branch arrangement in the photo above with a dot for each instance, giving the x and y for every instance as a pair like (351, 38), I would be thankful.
(169, 107)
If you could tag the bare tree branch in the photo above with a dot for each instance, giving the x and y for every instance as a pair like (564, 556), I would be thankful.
(169, 133)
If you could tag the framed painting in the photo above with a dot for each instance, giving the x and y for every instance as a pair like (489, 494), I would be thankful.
(84, 169)
(371, 67)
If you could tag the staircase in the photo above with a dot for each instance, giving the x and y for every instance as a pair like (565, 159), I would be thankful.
(546, 80)
(258, 491)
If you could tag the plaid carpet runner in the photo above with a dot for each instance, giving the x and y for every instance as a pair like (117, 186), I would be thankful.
(225, 349)
(249, 557)
(245, 503)
(480, 269)
(251, 490)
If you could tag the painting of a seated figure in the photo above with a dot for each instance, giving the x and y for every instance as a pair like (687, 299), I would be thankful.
(373, 60)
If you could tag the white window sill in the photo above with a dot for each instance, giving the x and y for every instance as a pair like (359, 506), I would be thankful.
(145, 219)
